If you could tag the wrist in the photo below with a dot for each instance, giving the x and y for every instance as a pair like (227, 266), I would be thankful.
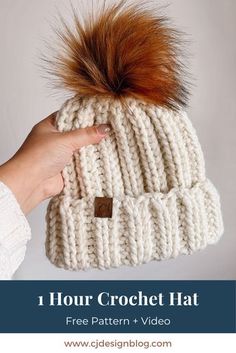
(19, 177)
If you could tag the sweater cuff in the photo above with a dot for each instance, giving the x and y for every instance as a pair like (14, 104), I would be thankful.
(14, 233)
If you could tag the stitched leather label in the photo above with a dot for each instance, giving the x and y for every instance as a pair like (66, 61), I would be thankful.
(103, 207)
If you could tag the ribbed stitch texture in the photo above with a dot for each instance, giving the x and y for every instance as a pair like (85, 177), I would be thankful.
(153, 167)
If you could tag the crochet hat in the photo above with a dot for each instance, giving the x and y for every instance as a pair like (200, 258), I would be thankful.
(141, 194)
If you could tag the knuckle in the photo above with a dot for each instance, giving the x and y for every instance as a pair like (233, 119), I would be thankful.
(36, 127)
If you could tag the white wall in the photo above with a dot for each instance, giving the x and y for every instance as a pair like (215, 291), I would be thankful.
(24, 100)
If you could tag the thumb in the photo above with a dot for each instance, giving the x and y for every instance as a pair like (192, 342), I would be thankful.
(87, 136)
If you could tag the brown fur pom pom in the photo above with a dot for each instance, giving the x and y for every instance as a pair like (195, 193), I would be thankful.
(126, 50)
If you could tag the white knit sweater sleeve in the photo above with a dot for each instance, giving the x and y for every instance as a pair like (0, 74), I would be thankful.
(14, 233)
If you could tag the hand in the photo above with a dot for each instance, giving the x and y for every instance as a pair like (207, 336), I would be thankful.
(34, 173)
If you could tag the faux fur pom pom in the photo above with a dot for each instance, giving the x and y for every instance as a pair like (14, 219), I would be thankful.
(124, 50)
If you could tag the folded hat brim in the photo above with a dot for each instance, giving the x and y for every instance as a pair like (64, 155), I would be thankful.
(153, 226)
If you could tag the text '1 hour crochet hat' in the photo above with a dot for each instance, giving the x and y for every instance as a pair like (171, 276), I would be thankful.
(141, 194)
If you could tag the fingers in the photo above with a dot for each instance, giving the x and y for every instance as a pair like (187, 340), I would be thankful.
(87, 136)
(79, 137)
(50, 119)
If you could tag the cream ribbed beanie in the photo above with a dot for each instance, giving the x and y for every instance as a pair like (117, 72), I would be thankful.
(141, 194)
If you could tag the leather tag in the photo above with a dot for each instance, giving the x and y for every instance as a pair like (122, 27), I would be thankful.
(103, 207)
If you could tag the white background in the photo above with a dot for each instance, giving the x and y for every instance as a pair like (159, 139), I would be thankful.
(180, 343)
(25, 99)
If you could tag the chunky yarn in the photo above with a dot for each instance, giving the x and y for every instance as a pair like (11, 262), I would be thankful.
(152, 167)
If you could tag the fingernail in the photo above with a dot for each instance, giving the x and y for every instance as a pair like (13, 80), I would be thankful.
(103, 129)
